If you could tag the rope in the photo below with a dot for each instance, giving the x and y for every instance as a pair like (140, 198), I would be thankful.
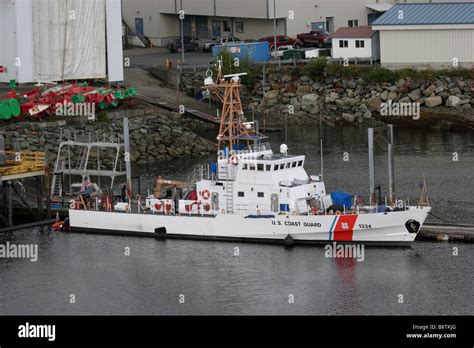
(449, 222)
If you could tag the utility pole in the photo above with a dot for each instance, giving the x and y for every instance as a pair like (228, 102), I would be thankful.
(181, 18)
(274, 28)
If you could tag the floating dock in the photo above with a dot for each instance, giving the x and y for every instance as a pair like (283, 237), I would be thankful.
(442, 232)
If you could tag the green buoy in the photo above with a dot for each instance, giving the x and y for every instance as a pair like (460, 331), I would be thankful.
(5, 111)
(15, 107)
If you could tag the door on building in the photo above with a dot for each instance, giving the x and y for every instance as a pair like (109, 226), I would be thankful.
(139, 25)
(216, 28)
(202, 31)
(318, 25)
(188, 26)
(330, 24)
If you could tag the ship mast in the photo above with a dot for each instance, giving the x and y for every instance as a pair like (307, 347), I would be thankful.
(233, 127)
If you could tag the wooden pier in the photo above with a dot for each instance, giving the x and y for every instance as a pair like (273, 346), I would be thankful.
(16, 166)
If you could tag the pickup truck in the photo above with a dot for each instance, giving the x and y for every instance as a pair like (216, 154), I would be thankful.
(319, 38)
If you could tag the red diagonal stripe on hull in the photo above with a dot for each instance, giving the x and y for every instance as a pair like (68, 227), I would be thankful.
(344, 234)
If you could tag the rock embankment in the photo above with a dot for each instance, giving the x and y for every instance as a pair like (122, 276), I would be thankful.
(299, 99)
(152, 138)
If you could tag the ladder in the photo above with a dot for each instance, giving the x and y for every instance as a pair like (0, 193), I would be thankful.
(82, 163)
(229, 189)
(230, 196)
(57, 188)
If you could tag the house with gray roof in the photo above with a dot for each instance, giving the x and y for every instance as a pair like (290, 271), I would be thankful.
(428, 35)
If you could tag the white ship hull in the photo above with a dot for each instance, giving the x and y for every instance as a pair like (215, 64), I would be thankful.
(383, 228)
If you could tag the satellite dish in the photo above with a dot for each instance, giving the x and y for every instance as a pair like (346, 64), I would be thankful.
(284, 149)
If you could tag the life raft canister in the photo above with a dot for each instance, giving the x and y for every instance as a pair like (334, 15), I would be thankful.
(205, 194)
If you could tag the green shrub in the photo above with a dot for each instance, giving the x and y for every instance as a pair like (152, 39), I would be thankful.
(315, 68)
(229, 66)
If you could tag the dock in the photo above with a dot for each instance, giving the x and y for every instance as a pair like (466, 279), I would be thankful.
(18, 165)
(444, 232)
(196, 114)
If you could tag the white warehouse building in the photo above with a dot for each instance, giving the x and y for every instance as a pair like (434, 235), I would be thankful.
(158, 20)
(437, 35)
(55, 40)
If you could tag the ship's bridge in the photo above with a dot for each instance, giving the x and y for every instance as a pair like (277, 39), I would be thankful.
(259, 165)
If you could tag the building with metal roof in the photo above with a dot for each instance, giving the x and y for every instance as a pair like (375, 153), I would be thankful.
(436, 35)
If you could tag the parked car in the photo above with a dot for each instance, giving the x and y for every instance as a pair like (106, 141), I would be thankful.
(229, 40)
(174, 45)
(281, 40)
(279, 52)
(207, 45)
(319, 38)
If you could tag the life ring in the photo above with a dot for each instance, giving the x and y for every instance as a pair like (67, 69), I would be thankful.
(158, 206)
(138, 197)
(205, 194)
(259, 212)
(168, 207)
(207, 207)
(222, 211)
(338, 212)
(314, 211)
(295, 212)
(235, 160)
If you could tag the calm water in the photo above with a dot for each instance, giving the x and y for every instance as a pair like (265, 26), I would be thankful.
(260, 280)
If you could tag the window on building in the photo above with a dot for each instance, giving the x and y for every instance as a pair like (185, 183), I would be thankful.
(260, 167)
(226, 25)
(360, 43)
(239, 27)
(260, 195)
(240, 194)
(268, 167)
(343, 43)
(353, 23)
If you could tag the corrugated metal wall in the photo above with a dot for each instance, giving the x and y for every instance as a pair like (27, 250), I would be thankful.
(426, 46)
(7, 40)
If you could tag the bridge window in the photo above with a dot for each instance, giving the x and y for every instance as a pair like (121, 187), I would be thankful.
(268, 167)
(240, 194)
(282, 166)
(260, 194)
(245, 167)
(293, 164)
(275, 167)
(252, 166)
(300, 163)
(260, 167)
(288, 165)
